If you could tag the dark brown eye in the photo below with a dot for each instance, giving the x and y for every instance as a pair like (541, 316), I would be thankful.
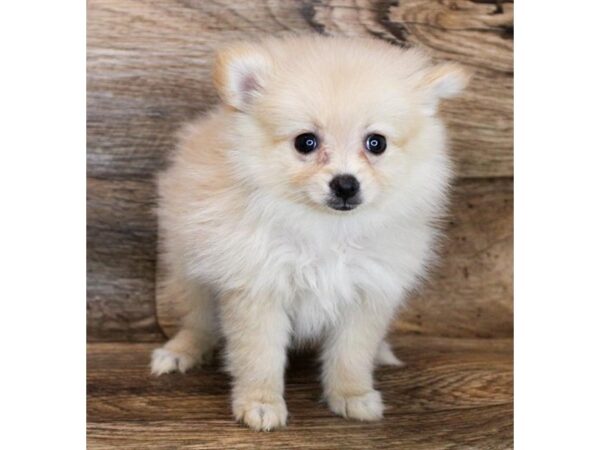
(376, 144)
(306, 143)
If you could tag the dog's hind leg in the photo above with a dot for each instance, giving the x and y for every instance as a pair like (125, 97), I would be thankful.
(385, 355)
(195, 341)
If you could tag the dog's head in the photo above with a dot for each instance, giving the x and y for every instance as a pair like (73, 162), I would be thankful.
(332, 123)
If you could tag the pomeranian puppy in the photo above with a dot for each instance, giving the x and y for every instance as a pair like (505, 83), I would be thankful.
(304, 210)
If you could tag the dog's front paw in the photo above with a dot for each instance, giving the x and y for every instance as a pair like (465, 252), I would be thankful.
(165, 361)
(260, 412)
(366, 407)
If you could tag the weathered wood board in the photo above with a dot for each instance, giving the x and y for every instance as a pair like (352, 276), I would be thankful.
(121, 259)
(470, 292)
(149, 68)
(149, 71)
(452, 394)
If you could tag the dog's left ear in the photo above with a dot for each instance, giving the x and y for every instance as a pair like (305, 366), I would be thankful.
(444, 80)
(240, 74)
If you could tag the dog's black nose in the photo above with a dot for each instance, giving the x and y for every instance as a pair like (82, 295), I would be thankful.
(344, 186)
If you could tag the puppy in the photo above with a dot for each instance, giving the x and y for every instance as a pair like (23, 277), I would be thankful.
(303, 209)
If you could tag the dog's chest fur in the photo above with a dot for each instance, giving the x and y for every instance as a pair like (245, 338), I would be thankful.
(321, 274)
(326, 278)
(316, 268)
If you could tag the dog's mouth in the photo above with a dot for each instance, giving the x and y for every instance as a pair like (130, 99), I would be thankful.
(343, 205)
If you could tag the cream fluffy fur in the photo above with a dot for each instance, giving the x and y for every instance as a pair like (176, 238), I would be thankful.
(251, 245)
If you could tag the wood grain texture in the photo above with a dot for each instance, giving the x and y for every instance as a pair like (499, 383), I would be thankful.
(149, 68)
(470, 292)
(149, 71)
(453, 394)
(476, 34)
(121, 258)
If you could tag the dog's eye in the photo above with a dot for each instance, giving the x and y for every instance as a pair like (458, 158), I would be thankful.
(306, 143)
(376, 144)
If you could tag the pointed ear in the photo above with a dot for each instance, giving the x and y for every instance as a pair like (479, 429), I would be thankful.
(240, 74)
(442, 81)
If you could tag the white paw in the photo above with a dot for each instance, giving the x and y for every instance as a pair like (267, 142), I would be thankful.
(261, 414)
(385, 356)
(165, 361)
(366, 407)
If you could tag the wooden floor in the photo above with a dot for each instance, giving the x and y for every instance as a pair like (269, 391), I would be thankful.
(452, 394)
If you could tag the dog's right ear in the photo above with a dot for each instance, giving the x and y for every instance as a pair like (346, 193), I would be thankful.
(240, 74)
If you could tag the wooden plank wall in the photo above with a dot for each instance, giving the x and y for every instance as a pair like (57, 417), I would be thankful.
(149, 71)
